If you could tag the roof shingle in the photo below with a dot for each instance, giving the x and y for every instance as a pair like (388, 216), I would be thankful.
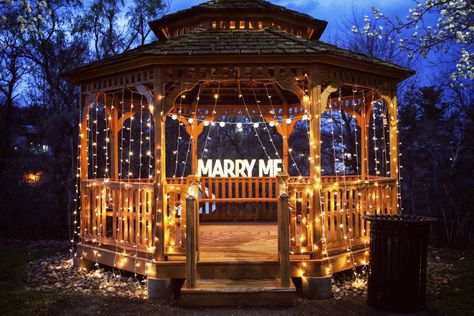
(236, 42)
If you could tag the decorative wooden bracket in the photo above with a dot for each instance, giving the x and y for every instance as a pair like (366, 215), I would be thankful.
(171, 97)
(292, 86)
(331, 88)
(147, 93)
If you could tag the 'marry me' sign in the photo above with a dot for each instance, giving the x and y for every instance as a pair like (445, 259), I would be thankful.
(239, 167)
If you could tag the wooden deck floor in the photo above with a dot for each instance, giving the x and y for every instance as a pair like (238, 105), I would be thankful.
(238, 242)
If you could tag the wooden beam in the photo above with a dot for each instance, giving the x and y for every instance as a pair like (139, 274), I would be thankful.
(114, 138)
(160, 165)
(391, 101)
(84, 141)
(314, 109)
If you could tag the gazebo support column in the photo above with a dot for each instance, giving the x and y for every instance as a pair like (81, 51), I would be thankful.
(159, 288)
(391, 100)
(364, 141)
(316, 287)
(114, 140)
(160, 165)
(81, 262)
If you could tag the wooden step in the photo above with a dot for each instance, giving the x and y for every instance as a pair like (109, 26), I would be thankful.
(221, 270)
(237, 292)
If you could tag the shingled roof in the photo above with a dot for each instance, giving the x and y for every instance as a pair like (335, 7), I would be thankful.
(236, 42)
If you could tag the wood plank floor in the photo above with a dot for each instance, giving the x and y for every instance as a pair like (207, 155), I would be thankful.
(238, 242)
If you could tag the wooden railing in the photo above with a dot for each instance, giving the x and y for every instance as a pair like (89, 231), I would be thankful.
(121, 213)
(343, 206)
(118, 213)
(175, 216)
(238, 198)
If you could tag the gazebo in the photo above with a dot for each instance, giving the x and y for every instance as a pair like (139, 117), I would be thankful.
(228, 226)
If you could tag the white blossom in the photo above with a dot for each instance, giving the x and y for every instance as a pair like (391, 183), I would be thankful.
(453, 30)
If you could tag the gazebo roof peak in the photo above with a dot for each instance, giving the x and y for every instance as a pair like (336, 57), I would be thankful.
(237, 14)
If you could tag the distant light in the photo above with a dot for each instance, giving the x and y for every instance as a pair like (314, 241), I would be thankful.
(221, 124)
(33, 178)
(239, 125)
(272, 124)
(255, 125)
(190, 120)
(174, 117)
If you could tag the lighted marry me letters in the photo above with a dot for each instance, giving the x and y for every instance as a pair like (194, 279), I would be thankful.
(239, 167)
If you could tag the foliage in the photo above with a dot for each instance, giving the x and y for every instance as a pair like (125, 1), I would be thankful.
(453, 30)
(39, 41)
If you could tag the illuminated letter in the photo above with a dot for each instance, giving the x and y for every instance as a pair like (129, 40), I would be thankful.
(217, 169)
(228, 168)
(240, 168)
(204, 169)
(250, 166)
(276, 167)
(263, 168)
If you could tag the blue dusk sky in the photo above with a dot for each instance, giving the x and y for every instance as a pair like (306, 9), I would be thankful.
(336, 12)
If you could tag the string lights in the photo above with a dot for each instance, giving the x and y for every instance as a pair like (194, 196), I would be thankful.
(143, 156)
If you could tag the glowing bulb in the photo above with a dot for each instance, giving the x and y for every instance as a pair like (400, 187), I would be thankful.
(221, 124)
(305, 117)
(239, 125)
(288, 121)
(272, 124)
(216, 96)
(255, 125)
(190, 120)
(174, 117)
(206, 123)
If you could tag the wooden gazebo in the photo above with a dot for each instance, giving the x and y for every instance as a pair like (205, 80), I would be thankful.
(262, 65)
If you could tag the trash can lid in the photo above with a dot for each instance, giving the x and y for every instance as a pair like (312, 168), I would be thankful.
(399, 218)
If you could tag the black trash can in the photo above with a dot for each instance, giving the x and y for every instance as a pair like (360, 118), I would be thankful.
(398, 259)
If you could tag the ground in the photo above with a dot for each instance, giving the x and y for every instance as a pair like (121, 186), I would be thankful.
(450, 288)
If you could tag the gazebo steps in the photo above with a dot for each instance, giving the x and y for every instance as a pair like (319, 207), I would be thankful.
(237, 292)
(224, 269)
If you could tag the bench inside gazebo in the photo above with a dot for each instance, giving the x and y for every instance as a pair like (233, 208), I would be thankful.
(156, 201)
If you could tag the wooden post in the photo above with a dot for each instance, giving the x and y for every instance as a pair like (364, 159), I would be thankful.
(160, 164)
(114, 135)
(284, 239)
(364, 142)
(285, 137)
(282, 179)
(84, 159)
(314, 106)
(191, 241)
(393, 123)
(84, 141)
(194, 144)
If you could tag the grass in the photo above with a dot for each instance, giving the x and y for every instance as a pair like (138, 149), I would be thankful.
(15, 299)
(457, 299)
